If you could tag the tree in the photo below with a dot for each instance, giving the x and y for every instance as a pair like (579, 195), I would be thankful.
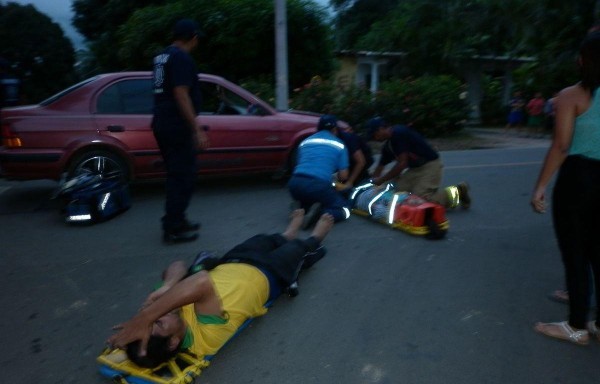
(561, 26)
(355, 17)
(437, 35)
(238, 42)
(99, 21)
(40, 54)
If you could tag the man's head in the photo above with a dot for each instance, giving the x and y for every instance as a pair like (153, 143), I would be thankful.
(327, 123)
(167, 335)
(187, 31)
(378, 129)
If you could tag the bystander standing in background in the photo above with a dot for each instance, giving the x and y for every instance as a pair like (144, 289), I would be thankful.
(177, 132)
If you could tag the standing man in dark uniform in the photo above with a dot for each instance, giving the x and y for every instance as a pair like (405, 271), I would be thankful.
(178, 134)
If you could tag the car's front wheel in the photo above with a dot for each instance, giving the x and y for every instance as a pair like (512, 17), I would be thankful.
(98, 162)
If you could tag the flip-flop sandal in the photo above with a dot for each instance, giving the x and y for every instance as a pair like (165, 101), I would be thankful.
(566, 332)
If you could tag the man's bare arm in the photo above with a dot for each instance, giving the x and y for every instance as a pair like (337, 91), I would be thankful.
(343, 174)
(186, 108)
(174, 273)
(359, 165)
(195, 289)
(378, 169)
(401, 163)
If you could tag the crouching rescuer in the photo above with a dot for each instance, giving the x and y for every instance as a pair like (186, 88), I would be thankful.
(418, 168)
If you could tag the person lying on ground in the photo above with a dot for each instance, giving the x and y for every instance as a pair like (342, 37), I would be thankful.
(202, 311)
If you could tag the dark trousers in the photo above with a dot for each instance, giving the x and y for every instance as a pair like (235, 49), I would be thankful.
(309, 190)
(278, 255)
(576, 216)
(178, 150)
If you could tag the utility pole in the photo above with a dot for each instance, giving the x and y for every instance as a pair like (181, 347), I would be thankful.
(281, 57)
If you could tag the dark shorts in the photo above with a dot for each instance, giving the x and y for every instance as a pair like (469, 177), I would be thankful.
(282, 258)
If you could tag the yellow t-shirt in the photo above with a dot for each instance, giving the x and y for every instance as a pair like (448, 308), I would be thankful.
(243, 290)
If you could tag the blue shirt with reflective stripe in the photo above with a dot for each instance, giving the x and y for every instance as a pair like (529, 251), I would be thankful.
(321, 155)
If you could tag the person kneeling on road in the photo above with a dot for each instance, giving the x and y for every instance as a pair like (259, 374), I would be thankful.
(319, 157)
(418, 167)
(201, 310)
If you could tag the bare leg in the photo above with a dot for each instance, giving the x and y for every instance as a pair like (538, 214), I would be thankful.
(322, 227)
(296, 218)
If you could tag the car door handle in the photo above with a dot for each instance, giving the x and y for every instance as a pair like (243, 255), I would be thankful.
(116, 128)
(205, 128)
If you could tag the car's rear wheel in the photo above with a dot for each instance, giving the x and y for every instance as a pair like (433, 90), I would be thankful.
(98, 162)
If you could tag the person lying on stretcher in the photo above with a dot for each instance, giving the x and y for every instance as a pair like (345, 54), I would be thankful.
(202, 311)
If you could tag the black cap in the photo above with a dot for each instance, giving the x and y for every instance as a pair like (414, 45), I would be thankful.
(186, 29)
(327, 122)
(373, 126)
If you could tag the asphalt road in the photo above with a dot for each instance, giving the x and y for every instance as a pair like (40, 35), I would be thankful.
(382, 307)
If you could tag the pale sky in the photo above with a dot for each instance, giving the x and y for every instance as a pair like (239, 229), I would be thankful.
(60, 12)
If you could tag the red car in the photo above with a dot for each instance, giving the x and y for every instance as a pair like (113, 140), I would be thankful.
(102, 125)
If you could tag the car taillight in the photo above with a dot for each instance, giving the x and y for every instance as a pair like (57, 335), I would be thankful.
(9, 139)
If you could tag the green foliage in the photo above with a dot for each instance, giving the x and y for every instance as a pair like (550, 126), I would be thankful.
(355, 105)
(238, 41)
(430, 104)
(355, 17)
(40, 54)
(436, 34)
(99, 21)
(263, 87)
(317, 96)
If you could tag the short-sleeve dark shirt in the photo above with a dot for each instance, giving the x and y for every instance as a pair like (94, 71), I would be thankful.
(353, 143)
(173, 67)
(406, 140)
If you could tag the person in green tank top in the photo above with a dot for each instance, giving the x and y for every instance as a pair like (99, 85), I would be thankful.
(200, 310)
(575, 154)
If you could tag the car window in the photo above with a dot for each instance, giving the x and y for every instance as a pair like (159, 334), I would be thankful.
(218, 100)
(53, 98)
(127, 97)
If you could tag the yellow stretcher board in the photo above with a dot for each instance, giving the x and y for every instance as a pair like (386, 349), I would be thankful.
(183, 369)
